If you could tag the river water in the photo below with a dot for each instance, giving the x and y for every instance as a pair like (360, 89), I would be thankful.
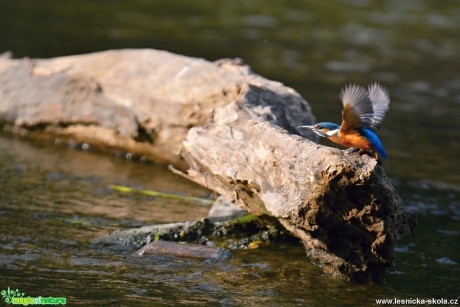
(54, 197)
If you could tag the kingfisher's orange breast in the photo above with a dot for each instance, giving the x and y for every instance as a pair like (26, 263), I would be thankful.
(353, 139)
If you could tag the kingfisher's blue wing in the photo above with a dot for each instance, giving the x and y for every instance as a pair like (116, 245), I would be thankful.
(357, 108)
(380, 102)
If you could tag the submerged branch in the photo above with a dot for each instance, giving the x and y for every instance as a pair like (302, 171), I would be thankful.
(197, 200)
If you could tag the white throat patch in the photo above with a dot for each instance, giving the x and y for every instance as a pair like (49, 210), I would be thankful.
(332, 132)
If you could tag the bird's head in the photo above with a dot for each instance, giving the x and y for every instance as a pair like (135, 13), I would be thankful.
(324, 129)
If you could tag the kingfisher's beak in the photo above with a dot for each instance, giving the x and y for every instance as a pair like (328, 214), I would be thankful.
(314, 129)
(309, 127)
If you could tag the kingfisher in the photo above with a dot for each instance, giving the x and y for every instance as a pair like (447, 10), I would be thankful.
(363, 112)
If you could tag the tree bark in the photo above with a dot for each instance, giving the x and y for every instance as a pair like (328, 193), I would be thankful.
(234, 131)
(340, 204)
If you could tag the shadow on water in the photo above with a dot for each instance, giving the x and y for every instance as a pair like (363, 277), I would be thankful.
(54, 199)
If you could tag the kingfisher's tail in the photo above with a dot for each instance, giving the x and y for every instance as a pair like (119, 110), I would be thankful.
(381, 151)
(375, 141)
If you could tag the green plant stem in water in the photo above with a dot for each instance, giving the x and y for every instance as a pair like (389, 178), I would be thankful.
(197, 200)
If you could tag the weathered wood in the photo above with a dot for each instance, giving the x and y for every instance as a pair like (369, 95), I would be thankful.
(340, 204)
(142, 101)
(241, 232)
(235, 132)
(194, 251)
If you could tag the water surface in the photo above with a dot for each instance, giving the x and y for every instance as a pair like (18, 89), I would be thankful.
(54, 199)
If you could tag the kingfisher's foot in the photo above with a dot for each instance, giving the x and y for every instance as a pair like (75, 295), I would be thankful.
(374, 155)
(370, 153)
(352, 149)
(362, 152)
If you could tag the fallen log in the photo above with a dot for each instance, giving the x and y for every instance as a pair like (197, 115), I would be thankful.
(231, 232)
(340, 204)
(234, 131)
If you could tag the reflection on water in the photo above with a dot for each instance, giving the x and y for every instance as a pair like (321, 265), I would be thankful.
(53, 200)
(76, 182)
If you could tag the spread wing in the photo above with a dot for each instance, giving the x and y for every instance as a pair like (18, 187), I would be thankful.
(357, 108)
(380, 102)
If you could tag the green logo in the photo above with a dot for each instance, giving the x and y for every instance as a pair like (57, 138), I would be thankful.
(17, 297)
(8, 295)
